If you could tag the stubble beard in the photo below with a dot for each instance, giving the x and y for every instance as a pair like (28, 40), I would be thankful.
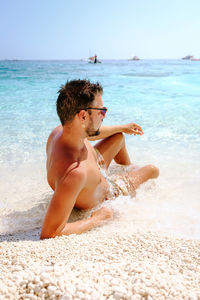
(91, 131)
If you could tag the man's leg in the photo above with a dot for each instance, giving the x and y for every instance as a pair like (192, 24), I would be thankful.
(136, 176)
(114, 147)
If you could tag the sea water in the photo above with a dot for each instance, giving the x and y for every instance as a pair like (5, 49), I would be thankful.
(162, 96)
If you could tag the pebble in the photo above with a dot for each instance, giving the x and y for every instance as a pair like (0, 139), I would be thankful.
(17, 268)
(66, 297)
(51, 289)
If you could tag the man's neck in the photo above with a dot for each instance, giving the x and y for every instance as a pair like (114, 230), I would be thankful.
(73, 138)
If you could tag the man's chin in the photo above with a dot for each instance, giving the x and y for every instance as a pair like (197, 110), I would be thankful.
(94, 133)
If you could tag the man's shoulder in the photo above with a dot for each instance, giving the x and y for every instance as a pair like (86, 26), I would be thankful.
(54, 133)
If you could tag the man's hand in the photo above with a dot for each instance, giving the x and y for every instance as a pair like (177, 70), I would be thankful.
(102, 214)
(132, 128)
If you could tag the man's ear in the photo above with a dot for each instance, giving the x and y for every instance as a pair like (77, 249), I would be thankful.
(82, 115)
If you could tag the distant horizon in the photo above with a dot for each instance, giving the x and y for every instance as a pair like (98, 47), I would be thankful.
(85, 59)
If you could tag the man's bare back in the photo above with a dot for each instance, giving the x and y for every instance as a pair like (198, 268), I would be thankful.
(72, 169)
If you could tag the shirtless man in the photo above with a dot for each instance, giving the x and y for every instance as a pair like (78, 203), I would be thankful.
(72, 162)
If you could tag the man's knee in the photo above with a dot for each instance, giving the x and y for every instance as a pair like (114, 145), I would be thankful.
(153, 170)
(119, 138)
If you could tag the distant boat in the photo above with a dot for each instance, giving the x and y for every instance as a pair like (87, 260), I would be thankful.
(191, 57)
(94, 60)
(135, 58)
(188, 57)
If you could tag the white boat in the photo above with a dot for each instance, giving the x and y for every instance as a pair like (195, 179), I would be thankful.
(135, 58)
(188, 57)
(191, 57)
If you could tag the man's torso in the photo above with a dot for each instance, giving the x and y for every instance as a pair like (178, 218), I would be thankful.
(59, 163)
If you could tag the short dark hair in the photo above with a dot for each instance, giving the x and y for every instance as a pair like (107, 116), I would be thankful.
(74, 96)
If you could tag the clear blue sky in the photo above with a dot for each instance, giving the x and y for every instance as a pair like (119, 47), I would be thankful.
(75, 29)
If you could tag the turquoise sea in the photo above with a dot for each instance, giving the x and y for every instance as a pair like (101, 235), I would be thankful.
(162, 96)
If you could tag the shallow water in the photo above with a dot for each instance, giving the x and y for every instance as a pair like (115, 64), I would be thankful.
(163, 96)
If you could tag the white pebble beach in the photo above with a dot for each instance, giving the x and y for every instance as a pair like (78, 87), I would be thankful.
(109, 262)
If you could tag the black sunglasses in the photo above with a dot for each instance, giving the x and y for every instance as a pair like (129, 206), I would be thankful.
(103, 109)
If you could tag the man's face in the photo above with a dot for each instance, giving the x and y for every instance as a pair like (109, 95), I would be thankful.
(95, 117)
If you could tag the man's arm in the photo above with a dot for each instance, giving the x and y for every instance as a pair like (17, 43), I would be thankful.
(106, 131)
(61, 205)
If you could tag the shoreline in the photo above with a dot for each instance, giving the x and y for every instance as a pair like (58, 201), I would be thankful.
(105, 263)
